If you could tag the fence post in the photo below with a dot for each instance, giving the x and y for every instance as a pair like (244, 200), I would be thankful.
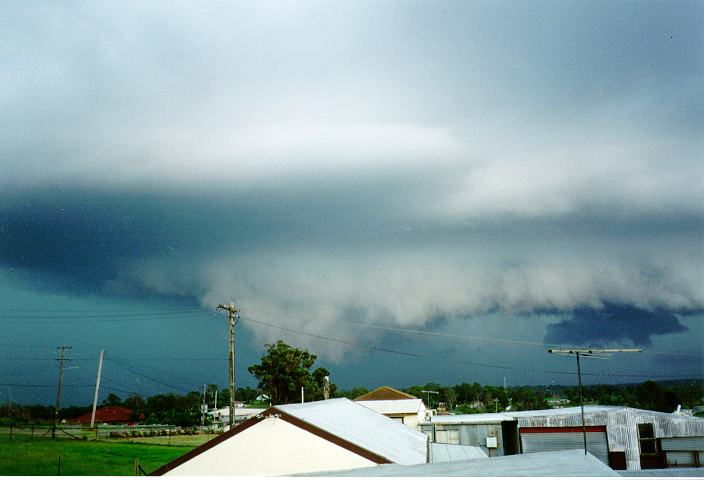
(32, 435)
(11, 432)
(136, 467)
(169, 436)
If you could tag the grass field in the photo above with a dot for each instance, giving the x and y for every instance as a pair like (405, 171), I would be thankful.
(20, 456)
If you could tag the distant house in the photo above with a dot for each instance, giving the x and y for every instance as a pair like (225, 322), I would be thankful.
(329, 435)
(409, 411)
(221, 416)
(384, 393)
(111, 414)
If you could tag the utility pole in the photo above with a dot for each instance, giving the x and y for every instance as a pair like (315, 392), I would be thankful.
(602, 353)
(429, 392)
(97, 388)
(231, 314)
(58, 392)
(203, 408)
(326, 387)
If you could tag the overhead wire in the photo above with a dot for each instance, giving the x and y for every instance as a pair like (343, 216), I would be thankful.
(453, 361)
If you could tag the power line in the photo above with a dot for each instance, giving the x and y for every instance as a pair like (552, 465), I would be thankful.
(462, 362)
(148, 377)
(479, 338)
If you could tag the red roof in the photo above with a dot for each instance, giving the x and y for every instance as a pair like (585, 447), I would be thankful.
(107, 415)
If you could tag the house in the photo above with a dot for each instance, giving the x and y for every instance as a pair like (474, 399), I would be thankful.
(328, 435)
(384, 393)
(568, 463)
(621, 437)
(409, 411)
(221, 416)
(110, 414)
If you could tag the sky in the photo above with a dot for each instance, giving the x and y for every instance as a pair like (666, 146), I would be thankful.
(414, 191)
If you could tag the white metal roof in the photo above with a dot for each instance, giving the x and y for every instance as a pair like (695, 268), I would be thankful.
(499, 417)
(445, 452)
(364, 428)
(567, 463)
(389, 407)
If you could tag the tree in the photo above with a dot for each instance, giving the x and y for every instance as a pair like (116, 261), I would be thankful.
(284, 370)
(112, 400)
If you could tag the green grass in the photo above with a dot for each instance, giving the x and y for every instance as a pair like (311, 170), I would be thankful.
(20, 456)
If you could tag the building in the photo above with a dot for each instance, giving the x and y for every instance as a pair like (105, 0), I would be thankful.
(569, 463)
(328, 435)
(221, 416)
(385, 393)
(409, 411)
(621, 437)
(111, 414)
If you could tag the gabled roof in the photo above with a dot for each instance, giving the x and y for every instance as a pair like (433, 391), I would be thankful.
(389, 407)
(342, 422)
(384, 393)
(567, 463)
(363, 427)
(111, 414)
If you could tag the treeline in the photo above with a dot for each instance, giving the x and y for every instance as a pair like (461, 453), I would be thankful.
(185, 410)
(476, 398)
(164, 409)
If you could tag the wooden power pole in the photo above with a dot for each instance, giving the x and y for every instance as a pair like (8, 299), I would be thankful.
(97, 388)
(231, 314)
(58, 391)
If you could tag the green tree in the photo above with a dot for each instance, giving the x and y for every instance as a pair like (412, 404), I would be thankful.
(112, 400)
(284, 370)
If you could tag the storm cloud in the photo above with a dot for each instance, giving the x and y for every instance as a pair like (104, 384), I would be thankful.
(380, 163)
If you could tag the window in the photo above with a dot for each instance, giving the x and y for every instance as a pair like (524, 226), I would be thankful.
(646, 439)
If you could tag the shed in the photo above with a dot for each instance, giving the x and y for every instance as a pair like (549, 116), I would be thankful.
(622, 437)
(328, 435)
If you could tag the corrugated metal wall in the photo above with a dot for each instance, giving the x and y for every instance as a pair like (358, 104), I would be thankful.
(689, 443)
(556, 441)
(622, 427)
(471, 435)
(680, 459)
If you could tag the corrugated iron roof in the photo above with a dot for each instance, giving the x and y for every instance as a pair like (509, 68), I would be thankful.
(388, 407)
(445, 452)
(363, 427)
(568, 463)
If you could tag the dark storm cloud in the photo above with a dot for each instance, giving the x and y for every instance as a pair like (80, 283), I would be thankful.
(623, 324)
(392, 163)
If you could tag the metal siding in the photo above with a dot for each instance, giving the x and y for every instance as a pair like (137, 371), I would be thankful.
(689, 444)
(682, 459)
(622, 427)
(557, 441)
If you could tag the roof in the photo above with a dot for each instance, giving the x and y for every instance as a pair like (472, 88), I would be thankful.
(567, 463)
(445, 452)
(478, 418)
(363, 427)
(662, 472)
(340, 421)
(385, 393)
(388, 407)
(111, 414)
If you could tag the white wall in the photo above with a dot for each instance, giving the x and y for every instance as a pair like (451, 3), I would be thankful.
(272, 447)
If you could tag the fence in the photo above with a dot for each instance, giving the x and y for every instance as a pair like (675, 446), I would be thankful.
(157, 434)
